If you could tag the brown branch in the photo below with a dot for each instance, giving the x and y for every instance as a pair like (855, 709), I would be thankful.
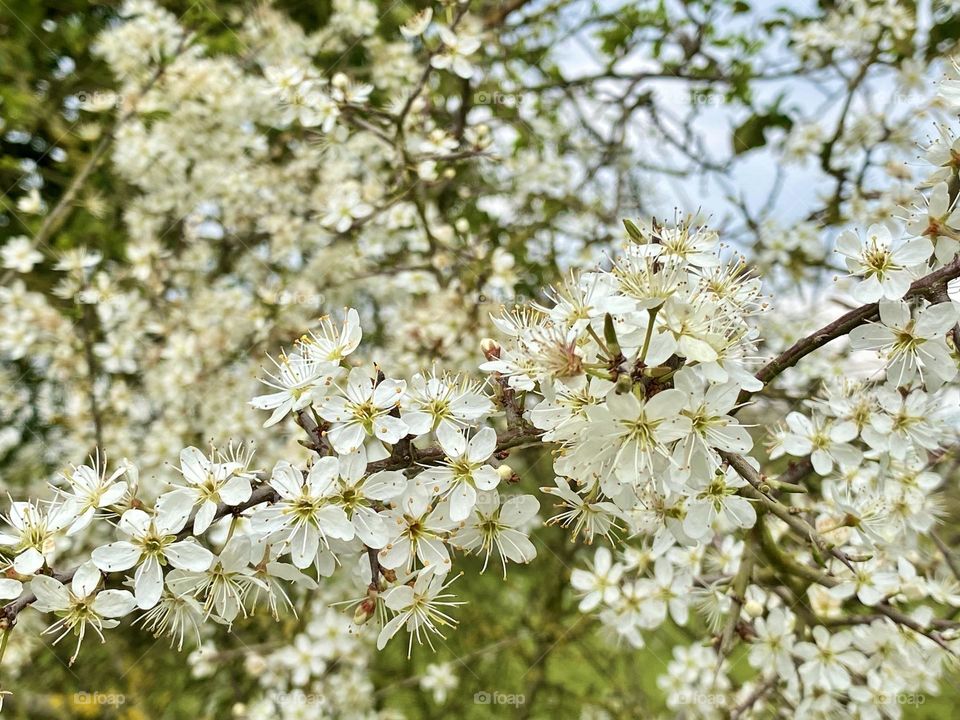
(795, 472)
(756, 491)
(845, 323)
(499, 16)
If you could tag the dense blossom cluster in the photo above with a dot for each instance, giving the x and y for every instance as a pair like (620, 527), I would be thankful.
(810, 538)
(634, 374)
(830, 641)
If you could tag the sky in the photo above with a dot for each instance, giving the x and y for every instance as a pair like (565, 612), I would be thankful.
(753, 173)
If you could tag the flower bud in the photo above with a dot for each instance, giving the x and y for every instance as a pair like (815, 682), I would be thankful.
(490, 348)
(364, 611)
(624, 384)
(610, 336)
(632, 230)
(505, 472)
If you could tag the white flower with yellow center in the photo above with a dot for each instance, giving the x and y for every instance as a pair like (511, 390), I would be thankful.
(92, 490)
(419, 608)
(364, 410)
(78, 606)
(211, 483)
(887, 271)
(152, 544)
(306, 514)
(32, 533)
(294, 382)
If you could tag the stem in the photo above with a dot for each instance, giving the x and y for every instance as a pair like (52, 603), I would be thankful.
(788, 564)
(844, 324)
(233, 526)
(738, 589)
(3, 641)
(601, 343)
(646, 340)
(797, 524)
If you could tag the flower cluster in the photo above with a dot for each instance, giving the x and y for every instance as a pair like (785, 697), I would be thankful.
(638, 370)
(352, 163)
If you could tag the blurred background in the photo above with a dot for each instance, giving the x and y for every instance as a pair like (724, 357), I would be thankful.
(168, 218)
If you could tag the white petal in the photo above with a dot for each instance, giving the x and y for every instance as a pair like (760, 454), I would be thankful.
(148, 583)
(193, 465)
(894, 313)
(451, 440)
(303, 546)
(433, 554)
(462, 499)
(173, 511)
(120, 555)
(85, 579)
(204, 516)
(353, 465)
(486, 478)
(395, 554)
(10, 588)
(28, 562)
(286, 480)
(114, 603)
(321, 476)
(346, 438)
(516, 546)
(388, 393)
(236, 490)
(51, 594)
(384, 485)
(189, 555)
(518, 510)
(333, 521)
(740, 511)
(418, 422)
(482, 445)
(134, 522)
(372, 529)
(389, 630)
(389, 429)
(935, 320)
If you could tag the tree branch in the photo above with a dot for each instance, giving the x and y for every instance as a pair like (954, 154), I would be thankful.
(844, 324)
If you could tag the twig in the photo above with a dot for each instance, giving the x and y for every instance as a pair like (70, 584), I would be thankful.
(844, 324)
(797, 524)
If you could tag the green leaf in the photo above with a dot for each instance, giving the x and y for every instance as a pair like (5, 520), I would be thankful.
(752, 132)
